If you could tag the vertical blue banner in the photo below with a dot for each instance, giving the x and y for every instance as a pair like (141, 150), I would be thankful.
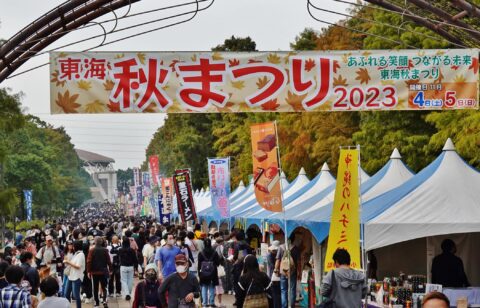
(164, 217)
(219, 178)
(27, 194)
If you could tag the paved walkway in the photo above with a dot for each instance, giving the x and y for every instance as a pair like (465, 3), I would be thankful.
(227, 301)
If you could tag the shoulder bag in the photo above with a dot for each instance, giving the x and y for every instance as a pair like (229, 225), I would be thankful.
(255, 300)
(330, 302)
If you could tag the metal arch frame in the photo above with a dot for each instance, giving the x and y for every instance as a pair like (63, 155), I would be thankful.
(50, 27)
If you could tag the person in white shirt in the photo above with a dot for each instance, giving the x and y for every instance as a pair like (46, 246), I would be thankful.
(49, 286)
(148, 251)
(49, 255)
(75, 277)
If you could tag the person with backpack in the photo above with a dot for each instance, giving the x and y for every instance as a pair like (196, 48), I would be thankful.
(31, 280)
(146, 292)
(115, 275)
(99, 266)
(286, 266)
(344, 286)
(128, 263)
(253, 286)
(208, 261)
(49, 255)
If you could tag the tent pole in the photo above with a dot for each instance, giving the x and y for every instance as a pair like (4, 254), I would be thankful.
(287, 246)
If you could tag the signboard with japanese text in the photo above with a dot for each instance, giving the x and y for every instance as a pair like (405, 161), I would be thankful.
(266, 172)
(139, 195)
(163, 217)
(167, 201)
(179, 82)
(154, 169)
(219, 179)
(136, 177)
(183, 191)
(27, 195)
(345, 222)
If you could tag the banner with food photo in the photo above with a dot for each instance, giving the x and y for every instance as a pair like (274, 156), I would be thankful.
(266, 171)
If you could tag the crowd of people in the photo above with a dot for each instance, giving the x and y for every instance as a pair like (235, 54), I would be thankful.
(97, 252)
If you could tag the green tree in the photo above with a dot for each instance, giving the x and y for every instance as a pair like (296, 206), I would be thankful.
(306, 40)
(237, 44)
(125, 179)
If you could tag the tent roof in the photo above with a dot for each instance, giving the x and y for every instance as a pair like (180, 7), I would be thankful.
(443, 198)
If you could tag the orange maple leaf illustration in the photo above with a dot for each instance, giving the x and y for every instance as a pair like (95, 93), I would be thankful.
(340, 81)
(108, 85)
(227, 108)
(233, 62)
(270, 105)
(309, 64)
(295, 101)
(172, 66)
(67, 102)
(261, 82)
(363, 76)
(113, 107)
(474, 65)
(55, 79)
(455, 67)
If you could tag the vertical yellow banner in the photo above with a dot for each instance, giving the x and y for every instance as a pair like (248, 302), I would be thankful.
(266, 172)
(345, 222)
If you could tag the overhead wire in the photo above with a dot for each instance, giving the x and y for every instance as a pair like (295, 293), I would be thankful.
(353, 29)
(129, 36)
(384, 24)
(378, 8)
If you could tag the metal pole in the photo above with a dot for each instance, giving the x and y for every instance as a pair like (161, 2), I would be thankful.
(362, 222)
(287, 246)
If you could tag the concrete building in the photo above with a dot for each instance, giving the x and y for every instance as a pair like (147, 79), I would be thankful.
(102, 173)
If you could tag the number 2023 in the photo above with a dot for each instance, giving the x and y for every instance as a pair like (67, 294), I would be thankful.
(369, 98)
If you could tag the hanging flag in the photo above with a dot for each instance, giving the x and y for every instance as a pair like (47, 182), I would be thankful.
(345, 221)
(219, 178)
(139, 196)
(146, 179)
(183, 191)
(166, 198)
(27, 194)
(266, 172)
(154, 169)
(136, 176)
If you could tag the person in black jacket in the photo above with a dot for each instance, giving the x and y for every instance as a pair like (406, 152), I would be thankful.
(208, 261)
(31, 274)
(447, 268)
(128, 264)
(253, 282)
(99, 266)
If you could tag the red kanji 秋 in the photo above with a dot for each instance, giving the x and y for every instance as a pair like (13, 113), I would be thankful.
(323, 85)
(136, 85)
(198, 81)
(69, 69)
(276, 83)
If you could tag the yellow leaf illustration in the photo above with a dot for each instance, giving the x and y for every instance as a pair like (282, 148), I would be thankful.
(238, 84)
(108, 85)
(84, 85)
(217, 56)
(194, 58)
(94, 107)
(274, 58)
(141, 56)
(340, 81)
(119, 55)
(459, 79)
(262, 81)
(55, 79)
(295, 101)
(287, 57)
(366, 53)
(345, 57)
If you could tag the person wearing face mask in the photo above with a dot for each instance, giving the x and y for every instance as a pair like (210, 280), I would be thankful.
(146, 292)
(182, 287)
(165, 257)
(184, 248)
